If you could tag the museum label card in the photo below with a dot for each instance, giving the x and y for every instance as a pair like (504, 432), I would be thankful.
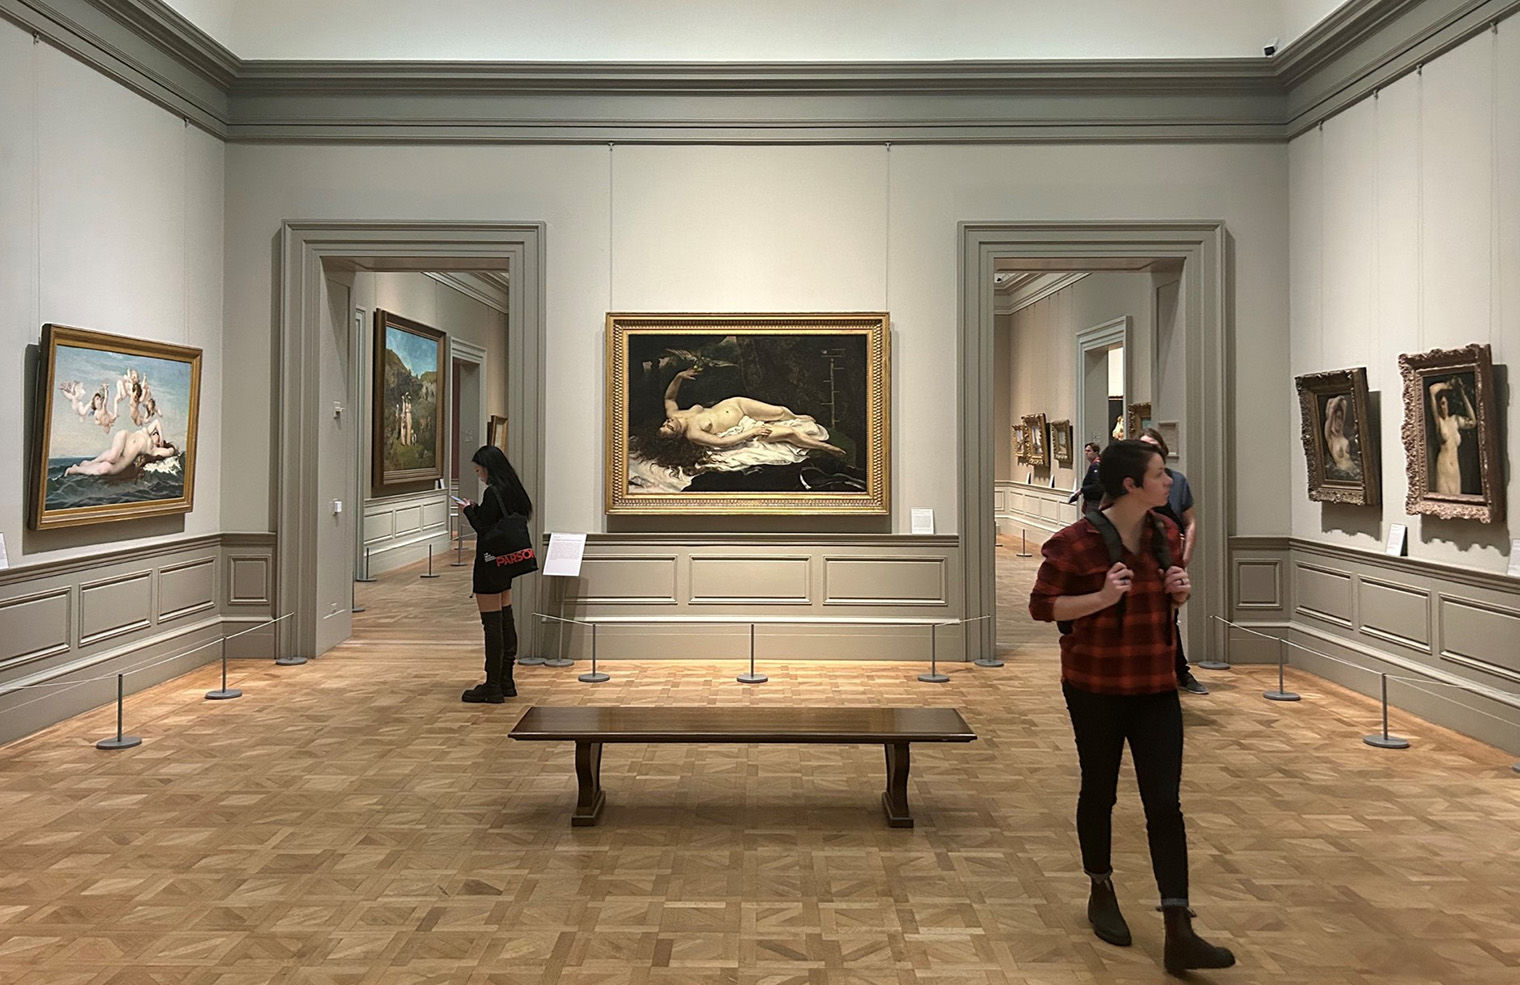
(1514, 557)
(923, 520)
(1397, 534)
(565, 553)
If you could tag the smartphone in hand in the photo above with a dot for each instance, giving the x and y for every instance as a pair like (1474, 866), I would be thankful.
(460, 501)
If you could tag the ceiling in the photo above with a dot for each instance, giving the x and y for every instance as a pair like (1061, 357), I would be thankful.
(772, 31)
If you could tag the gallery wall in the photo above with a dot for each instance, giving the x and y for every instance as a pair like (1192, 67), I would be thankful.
(761, 228)
(113, 222)
(1405, 215)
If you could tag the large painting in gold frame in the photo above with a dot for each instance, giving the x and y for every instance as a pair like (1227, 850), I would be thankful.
(748, 413)
(116, 424)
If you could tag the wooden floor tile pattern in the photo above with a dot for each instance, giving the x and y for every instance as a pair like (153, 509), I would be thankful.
(350, 822)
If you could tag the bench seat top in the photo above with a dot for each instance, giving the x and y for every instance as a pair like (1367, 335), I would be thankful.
(745, 724)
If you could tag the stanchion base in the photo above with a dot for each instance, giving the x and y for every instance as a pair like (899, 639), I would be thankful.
(366, 581)
(531, 661)
(1023, 554)
(224, 694)
(357, 609)
(1382, 741)
(557, 662)
(125, 742)
(1281, 696)
(933, 678)
(1211, 665)
(985, 662)
(428, 576)
(594, 678)
(1516, 767)
(751, 678)
(289, 661)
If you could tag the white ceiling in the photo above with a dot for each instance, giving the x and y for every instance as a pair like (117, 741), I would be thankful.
(738, 31)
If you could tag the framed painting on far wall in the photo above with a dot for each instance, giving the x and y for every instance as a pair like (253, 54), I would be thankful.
(1060, 442)
(1034, 427)
(1020, 443)
(748, 413)
(1451, 434)
(496, 431)
(116, 424)
(409, 398)
(1340, 448)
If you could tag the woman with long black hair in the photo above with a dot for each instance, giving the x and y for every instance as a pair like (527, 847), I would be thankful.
(504, 495)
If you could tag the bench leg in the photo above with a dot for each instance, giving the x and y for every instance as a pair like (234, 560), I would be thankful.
(588, 773)
(895, 800)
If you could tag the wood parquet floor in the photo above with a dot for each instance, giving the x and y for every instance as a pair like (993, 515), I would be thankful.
(350, 822)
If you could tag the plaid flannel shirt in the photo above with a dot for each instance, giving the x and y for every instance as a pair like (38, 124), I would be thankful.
(1103, 653)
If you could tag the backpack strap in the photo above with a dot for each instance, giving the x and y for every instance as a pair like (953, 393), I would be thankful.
(1112, 542)
(1161, 546)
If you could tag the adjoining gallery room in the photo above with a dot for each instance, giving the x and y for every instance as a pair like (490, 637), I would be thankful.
(843, 493)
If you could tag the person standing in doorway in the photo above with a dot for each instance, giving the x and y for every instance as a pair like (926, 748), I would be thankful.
(493, 589)
(1179, 510)
(1110, 581)
(1091, 489)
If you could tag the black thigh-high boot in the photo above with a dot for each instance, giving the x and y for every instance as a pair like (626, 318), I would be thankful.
(508, 652)
(490, 692)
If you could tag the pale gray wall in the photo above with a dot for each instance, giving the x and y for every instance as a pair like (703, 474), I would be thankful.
(1405, 214)
(695, 228)
(113, 222)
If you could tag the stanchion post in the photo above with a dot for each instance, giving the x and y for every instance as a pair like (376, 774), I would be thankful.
(933, 676)
(353, 599)
(1280, 694)
(752, 677)
(225, 693)
(1023, 543)
(984, 661)
(459, 560)
(1383, 740)
(366, 579)
(280, 660)
(559, 659)
(430, 564)
(121, 741)
(1212, 664)
(595, 677)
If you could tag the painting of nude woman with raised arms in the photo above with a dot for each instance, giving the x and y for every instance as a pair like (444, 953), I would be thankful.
(1451, 432)
(747, 413)
(116, 428)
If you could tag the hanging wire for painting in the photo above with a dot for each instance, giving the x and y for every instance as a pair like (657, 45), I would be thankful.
(63, 687)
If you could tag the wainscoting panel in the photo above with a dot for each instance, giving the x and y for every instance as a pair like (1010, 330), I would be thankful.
(1481, 636)
(1258, 584)
(112, 607)
(630, 579)
(1452, 629)
(37, 627)
(398, 530)
(1394, 613)
(885, 581)
(185, 589)
(1322, 593)
(1036, 507)
(750, 580)
(151, 614)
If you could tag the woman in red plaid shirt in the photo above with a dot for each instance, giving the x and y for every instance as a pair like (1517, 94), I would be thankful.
(1119, 679)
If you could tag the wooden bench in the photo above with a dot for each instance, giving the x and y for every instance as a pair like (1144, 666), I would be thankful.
(894, 728)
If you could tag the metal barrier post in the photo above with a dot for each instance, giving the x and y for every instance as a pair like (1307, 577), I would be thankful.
(1280, 694)
(366, 579)
(595, 677)
(933, 676)
(752, 677)
(1384, 740)
(225, 693)
(121, 741)
(1023, 543)
(430, 564)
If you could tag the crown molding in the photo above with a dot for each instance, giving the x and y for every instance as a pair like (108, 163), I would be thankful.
(154, 51)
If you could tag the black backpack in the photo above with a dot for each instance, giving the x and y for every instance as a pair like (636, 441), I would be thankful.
(1161, 548)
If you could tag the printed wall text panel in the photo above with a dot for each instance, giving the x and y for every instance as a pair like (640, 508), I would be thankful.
(115, 606)
(754, 579)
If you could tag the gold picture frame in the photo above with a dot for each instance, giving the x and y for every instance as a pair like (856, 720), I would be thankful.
(1060, 442)
(1452, 452)
(748, 413)
(1137, 419)
(496, 431)
(1020, 443)
(1340, 447)
(1035, 444)
(409, 404)
(116, 428)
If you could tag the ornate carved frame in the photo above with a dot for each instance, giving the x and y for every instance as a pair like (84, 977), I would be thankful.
(1034, 426)
(1351, 384)
(1060, 452)
(1486, 506)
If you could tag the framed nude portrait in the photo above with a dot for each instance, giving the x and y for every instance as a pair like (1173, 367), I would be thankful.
(1451, 434)
(1339, 445)
(409, 401)
(748, 413)
(1039, 452)
(116, 428)
(1060, 442)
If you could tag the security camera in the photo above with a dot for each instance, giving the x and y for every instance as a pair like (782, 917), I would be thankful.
(1270, 48)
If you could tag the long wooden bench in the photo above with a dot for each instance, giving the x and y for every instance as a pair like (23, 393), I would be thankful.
(894, 728)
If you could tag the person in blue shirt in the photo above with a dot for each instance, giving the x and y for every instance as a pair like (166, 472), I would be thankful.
(1179, 509)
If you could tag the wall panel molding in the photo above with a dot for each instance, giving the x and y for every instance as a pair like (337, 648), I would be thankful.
(151, 49)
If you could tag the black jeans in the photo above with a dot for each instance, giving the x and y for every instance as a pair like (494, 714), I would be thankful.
(1152, 724)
